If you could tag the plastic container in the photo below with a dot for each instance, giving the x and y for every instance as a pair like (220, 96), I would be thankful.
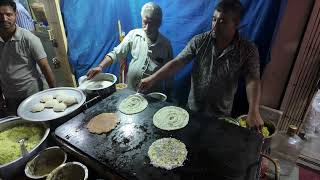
(286, 148)
(312, 123)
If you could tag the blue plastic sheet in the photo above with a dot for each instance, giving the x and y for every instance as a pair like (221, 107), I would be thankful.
(92, 29)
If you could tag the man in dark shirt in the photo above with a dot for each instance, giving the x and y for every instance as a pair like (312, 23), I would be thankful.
(220, 57)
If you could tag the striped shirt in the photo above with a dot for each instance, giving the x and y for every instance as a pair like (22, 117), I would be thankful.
(24, 19)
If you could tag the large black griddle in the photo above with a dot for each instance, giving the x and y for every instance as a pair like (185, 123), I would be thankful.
(216, 149)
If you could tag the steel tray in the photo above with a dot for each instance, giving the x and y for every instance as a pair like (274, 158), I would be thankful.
(24, 110)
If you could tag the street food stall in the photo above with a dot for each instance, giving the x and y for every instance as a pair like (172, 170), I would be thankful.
(215, 148)
(157, 96)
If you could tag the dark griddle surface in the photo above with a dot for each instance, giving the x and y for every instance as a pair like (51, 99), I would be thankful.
(215, 148)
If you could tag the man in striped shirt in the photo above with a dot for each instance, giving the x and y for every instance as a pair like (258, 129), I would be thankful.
(24, 19)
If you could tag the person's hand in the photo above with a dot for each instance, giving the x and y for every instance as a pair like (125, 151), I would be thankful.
(255, 121)
(146, 83)
(94, 71)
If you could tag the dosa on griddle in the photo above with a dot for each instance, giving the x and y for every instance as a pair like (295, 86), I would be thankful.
(167, 153)
(171, 118)
(102, 123)
(133, 104)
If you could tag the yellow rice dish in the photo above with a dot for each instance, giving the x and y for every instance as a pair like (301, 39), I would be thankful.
(9, 146)
(265, 131)
(120, 86)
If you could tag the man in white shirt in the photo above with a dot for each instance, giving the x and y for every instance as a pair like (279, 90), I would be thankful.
(149, 49)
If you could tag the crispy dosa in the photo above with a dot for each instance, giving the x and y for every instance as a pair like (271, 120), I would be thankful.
(102, 123)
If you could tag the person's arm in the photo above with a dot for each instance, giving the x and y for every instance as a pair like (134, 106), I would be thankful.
(168, 69)
(104, 63)
(40, 57)
(119, 52)
(188, 53)
(253, 87)
(163, 73)
(46, 71)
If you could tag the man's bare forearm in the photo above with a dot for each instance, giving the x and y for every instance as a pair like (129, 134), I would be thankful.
(168, 69)
(253, 88)
(47, 72)
(105, 62)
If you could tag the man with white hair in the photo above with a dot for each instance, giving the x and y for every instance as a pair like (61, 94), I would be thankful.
(150, 50)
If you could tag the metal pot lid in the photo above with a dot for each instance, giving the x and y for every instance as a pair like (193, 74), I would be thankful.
(24, 110)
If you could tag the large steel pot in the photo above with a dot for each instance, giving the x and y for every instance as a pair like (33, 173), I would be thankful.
(103, 85)
(266, 146)
(272, 130)
(9, 170)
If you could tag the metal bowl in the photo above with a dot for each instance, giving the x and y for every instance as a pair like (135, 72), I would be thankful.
(9, 170)
(157, 95)
(45, 162)
(121, 86)
(269, 124)
(69, 171)
(271, 128)
(105, 84)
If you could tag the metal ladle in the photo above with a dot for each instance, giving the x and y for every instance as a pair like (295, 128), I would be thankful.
(23, 148)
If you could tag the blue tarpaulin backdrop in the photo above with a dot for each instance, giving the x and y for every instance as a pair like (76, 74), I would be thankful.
(92, 29)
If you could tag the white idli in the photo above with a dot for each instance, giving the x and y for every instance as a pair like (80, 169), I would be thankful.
(46, 98)
(60, 107)
(70, 100)
(37, 107)
(51, 103)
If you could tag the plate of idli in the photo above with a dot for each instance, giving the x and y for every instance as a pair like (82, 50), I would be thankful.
(51, 104)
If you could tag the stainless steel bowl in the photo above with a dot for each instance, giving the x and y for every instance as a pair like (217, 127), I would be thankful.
(45, 162)
(101, 89)
(9, 170)
(271, 128)
(69, 171)
(157, 95)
